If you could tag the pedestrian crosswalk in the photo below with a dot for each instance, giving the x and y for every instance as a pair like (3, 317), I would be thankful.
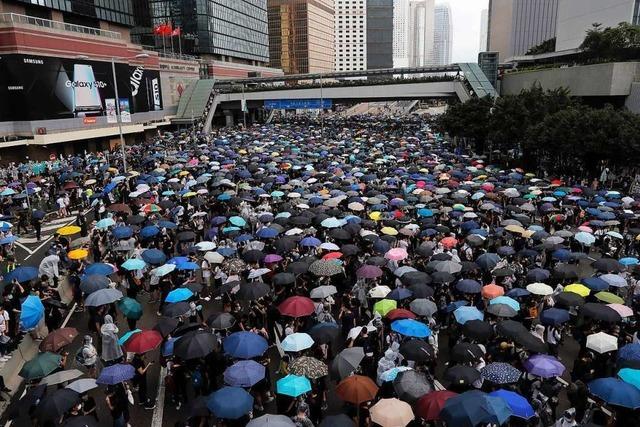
(48, 229)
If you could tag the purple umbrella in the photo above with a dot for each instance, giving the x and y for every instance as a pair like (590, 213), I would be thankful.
(244, 373)
(115, 374)
(544, 366)
(369, 271)
(272, 258)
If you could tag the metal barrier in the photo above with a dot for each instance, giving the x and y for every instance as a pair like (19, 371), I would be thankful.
(15, 18)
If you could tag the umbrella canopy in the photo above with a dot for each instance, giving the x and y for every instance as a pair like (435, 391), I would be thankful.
(602, 342)
(103, 297)
(520, 406)
(115, 374)
(346, 362)
(417, 350)
(356, 389)
(544, 366)
(411, 385)
(245, 345)
(391, 413)
(54, 405)
(244, 373)
(411, 328)
(309, 367)
(430, 405)
(195, 345)
(82, 385)
(61, 377)
(58, 339)
(143, 342)
(269, 420)
(31, 312)
(474, 408)
(293, 385)
(40, 366)
(230, 403)
(615, 392)
(130, 307)
(500, 373)
(297, 342)
(296, 306)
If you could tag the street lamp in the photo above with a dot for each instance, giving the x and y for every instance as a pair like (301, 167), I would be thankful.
(118, 112)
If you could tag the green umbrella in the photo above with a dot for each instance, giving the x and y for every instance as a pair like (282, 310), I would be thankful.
(130, 308)
(40, 366)
(384, 306)
(609, 297)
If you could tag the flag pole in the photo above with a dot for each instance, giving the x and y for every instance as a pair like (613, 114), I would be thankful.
(180, 41)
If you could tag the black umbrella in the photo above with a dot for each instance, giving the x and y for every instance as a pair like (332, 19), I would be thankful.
(466, 352)
(81, 421)
(442, 277)
(600, 312)
(198, 407)
(511, 329)
(349, 250)
(253, 255)
(324, 334)
(93, 283)
(531, 343)
(411, 386)
(284, 279)
(415, 278)
(57, 403)
(461, 375)
(284, 245)
(135, 219)
(477, 330)
(569, 299)
(421, 291)
(565, 272)
(252, 291)
(166, 325)
(607, 265)
(176, 309)
(195, 345)
(417, 350)
(298, 267)
(346, 362)
(186, 236)
(221, 321)
(377, 260)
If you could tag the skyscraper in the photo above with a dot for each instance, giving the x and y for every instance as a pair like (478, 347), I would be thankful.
(421, 26)
(301, 35)
(442, 34)
(484, 26)
(400, 33)
(379, 34)
(515, 26)
(575, 17)
(351, 35)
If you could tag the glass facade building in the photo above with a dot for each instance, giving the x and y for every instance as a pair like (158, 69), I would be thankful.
(84, 12)
(301, 35)
(379, 34)
(228, 30)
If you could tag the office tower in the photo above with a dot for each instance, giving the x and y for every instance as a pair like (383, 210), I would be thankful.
(484, 27)
(442, 34)
(350, 35)
(421, 31)
(400, 33)
(301, 35)
(379, 34)
(515, 26)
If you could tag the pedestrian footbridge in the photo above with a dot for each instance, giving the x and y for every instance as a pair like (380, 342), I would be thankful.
(203, 99)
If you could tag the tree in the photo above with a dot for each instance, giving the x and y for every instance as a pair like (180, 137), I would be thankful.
(544, 47)
(468, 120)
(612, 43)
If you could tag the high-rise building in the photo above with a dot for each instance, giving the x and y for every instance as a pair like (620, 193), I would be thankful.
(301, 35)
(515, 26)
(484, 26)
(226, 30)
(351, 35)
(421, 26)
(442, 34)
(400, 33)
(575, 17)
(379, 34)
(79, 12)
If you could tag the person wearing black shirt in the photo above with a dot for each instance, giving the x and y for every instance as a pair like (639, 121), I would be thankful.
(140, 380)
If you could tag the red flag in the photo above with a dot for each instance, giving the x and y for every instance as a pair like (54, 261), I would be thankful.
(167, 30)
(176, 32)
(158, 29)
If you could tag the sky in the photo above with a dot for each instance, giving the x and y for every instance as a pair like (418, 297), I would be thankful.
(466, 28)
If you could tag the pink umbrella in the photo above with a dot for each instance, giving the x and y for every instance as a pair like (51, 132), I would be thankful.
(272, 258)
(396, 254)
(585, 229)
(369, 271)
(622, 310)
(193, 162)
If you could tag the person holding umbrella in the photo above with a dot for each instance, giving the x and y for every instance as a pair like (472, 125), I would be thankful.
(140, 380)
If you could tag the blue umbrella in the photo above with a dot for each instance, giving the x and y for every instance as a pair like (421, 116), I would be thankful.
(134, 264)
(167, 224)
(411, 328)
(122, 232)
(518, 293)
(399, 294)
(554, 316)
(293, 385)
(187, 266)
(123, 339)
(230, 403)
(561, 255)
(267, 233)
(31, 312)
(595, 283)
(237, 221)
(297, 342)
(453, 306)
(472, 408)
(488, 261)
(167, 347)
(154, 256)
(245, 345)
(630, 352)
(310, 242)
(115, 374)
(8, 240)
(507, 301)
(225, 251)
(615, 392)
(631, 376)
(466, 313)
(628, 261)
(178, 260)
(98, 268)
(149, 231)
(519, 405)
(500, 373)
(244, 373)
(179, 294)
(21, 274)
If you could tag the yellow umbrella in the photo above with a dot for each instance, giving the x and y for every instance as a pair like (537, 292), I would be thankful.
(528, 233)
(515, 229)
(68, 230)
(384, 306)
(183, 173)
(578, 288)
(189, 194)
(114, 170)
(376, 216)
(78, 254)
(389, 231)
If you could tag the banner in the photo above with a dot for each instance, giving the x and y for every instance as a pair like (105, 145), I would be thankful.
(110, 106)
(297, 104)
(43, 88)
(125, 112)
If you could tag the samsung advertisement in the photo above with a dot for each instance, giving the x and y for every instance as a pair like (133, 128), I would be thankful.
(44, 88)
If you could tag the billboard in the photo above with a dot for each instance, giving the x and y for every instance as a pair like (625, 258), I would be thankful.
(297, 104)
(43, 88)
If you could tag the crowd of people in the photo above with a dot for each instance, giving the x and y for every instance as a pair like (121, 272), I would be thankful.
(366, 273)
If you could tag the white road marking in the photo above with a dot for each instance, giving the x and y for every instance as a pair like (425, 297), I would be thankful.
(24, 248)
(158, 412)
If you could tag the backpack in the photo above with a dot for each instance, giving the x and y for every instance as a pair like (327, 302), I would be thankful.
(196, 378)
(80, 356)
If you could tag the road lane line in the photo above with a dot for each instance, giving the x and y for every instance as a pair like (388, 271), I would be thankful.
(24, 248)
(158, 412)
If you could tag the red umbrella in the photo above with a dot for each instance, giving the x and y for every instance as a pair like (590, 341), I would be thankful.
(429, 406)
(143, 341)
(333, 255)
(400, 313)
(297, 307)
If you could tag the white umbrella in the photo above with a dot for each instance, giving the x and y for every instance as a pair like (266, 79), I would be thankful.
(602, 343)
(205, 246)
(214, 257)
(379, 291)
(328, 246)
(258, 272)
(323, 291)
(540, 289)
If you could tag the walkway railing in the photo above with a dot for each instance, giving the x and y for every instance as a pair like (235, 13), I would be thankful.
(15, 18)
